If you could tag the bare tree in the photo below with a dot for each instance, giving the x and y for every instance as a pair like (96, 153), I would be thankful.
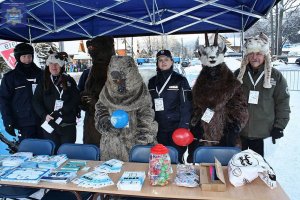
(281, 24)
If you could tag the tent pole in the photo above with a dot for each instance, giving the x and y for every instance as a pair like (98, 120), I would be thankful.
(29, 31)
(242, 34)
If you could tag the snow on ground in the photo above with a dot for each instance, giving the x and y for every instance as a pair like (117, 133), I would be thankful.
(284, 156)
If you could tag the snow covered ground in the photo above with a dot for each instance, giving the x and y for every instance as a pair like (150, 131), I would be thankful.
(284, 156)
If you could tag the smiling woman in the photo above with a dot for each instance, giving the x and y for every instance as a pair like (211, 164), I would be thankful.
(56, 101)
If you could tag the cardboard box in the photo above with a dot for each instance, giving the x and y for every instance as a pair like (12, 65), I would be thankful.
(206, 182)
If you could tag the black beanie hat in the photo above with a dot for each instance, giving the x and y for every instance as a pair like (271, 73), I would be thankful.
(22, 49)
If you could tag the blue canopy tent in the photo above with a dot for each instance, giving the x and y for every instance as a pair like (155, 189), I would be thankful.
(61, 20)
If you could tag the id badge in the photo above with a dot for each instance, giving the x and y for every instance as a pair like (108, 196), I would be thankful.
(33, 86)
(208, 115)
(159, 104)
(253, 97)
(58, 104)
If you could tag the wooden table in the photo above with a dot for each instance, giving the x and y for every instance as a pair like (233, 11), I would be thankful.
(257, 190)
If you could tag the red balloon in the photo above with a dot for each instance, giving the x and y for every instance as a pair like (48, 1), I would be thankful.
(182, 137)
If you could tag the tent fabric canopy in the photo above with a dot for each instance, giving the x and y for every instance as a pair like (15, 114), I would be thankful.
(62, 20)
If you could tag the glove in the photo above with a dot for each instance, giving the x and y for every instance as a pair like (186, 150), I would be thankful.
(55, 126)
(10, 130)
(276, 133)
(56, 114)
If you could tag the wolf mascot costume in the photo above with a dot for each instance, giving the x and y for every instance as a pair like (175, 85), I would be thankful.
(101, 49)
(124, 90)
(219, 106)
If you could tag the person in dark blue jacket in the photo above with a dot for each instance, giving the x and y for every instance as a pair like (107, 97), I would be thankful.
(16, 91)
(82, 79)
(171, 98)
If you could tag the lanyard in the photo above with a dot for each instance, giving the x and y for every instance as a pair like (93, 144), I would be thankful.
(60, 93)
(163, 87)
(251, 79)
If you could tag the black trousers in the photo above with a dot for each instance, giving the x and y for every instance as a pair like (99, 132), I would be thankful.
(165, 138)
(29, 132)
(67, 135)
(256, 145)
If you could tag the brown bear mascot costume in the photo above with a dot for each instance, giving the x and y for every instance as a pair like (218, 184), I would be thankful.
(101, 49)
(124, 90)
(219, 105)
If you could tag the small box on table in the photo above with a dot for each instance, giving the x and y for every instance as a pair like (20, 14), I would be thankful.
(212, 177)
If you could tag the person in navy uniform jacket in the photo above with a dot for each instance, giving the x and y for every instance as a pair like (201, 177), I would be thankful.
(16, 92)
(171, 98)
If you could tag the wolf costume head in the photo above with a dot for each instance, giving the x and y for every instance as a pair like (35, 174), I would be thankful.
(212, 55)
(258, 43)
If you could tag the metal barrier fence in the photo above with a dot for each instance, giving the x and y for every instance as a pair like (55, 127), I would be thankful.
(293, 79)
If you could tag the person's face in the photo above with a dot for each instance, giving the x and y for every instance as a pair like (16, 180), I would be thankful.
(26, 59)
(54, 68)
(164, 63)
(256, 59)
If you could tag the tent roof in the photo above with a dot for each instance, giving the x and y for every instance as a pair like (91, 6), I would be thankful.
(61, 20)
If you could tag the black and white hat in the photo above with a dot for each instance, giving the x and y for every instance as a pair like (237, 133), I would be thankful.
(60, 58)
(259, 43)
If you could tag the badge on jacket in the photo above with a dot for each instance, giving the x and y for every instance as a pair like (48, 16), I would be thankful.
(159, 104)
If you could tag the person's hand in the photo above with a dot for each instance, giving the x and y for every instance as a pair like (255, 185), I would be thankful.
(276, 133)
(10, 130)
(48, 118)
(86, 99)
(56, 114)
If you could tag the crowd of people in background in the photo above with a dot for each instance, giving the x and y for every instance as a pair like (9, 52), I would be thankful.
(77, 66)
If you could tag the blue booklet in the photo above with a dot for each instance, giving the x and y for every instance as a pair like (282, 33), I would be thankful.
(73, 165)
(131, 180)
(59, 176)
(4, 170)
(28, 175)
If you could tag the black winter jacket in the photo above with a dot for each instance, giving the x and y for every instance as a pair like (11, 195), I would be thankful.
(44, 101)
(177, 101)
(16, 96)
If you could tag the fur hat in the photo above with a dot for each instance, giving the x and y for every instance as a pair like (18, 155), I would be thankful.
(60, 58)
(259, 43)
(22, 49)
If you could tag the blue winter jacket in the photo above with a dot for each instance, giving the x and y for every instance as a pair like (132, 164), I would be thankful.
(177, 102)
(16, 94)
